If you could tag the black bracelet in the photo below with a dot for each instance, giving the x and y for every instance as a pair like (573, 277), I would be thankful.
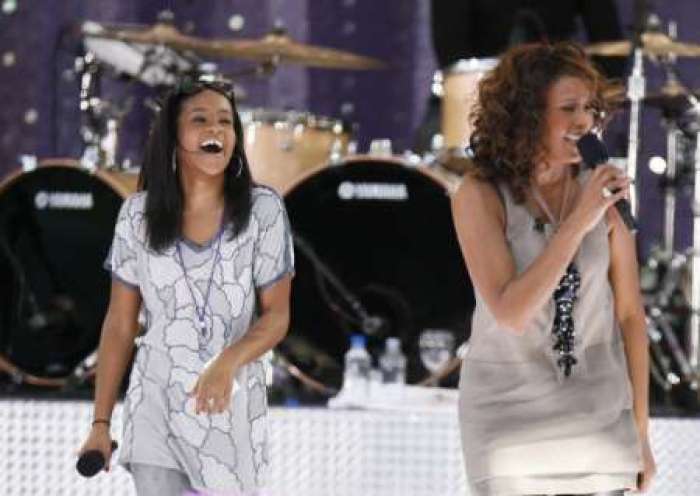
(101, 421)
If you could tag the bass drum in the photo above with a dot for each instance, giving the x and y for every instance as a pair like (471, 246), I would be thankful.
(384, 230)
(56, 227)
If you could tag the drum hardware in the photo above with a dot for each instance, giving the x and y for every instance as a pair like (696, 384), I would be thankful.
(282, 146)
(100, 119)
(272, 49)
(653, 45)
(448, 368)
(647, 41)
(294, 371)
(694, 325)
(459, 84)
(370, 325)
(153, 64)
(56, 225)
(373, 221)
(380, 147)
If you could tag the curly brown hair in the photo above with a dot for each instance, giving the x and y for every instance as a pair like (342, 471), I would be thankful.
(509, 114)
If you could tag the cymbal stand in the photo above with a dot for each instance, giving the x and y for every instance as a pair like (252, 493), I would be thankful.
(100, 120)
(635, 92)
(694, 330)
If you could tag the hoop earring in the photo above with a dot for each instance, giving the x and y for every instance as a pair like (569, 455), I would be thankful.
(174, 162)
(240, 167)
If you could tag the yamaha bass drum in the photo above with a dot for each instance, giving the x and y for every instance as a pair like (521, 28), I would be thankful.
(376, 254)
(56, 227)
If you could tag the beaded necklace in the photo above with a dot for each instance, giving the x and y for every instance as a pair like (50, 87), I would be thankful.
(201, 312)
(565, 295)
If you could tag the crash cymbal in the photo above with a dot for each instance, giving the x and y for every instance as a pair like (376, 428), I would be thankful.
(281, 49)
(653, 44)
(275, 47)
(672, 97)
(158, 34)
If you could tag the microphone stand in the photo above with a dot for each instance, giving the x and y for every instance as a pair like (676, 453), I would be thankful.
(370, 324)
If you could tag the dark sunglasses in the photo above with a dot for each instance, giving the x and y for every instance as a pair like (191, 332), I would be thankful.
(190, 84)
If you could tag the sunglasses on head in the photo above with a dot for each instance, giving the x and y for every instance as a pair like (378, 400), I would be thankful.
(190, 84)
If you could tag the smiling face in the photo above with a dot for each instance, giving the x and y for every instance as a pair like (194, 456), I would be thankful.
(205, 133)
(569, 114)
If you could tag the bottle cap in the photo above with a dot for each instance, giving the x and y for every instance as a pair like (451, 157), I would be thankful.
(393, 344)
(358, 341)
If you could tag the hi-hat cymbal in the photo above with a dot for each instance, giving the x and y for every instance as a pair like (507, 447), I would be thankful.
(653, 44)
(275, 48)
(671, 97)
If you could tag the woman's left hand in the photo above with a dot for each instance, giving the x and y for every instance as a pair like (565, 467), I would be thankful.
(648, 467)
(212, 391)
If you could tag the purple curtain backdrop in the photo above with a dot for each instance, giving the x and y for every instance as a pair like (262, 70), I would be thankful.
(38, 89)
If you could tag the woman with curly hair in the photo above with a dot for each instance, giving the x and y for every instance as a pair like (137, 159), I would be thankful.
(554, 388)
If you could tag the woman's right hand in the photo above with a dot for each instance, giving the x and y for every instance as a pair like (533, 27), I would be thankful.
(99, 439)
(593, 201)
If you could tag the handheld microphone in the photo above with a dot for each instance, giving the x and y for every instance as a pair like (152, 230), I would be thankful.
(594, 153)
(92, 461)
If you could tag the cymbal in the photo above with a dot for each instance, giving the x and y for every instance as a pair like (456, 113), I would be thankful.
(672, 96)
(653, 44)
(280, 48)
(275, 48)
(158, 34)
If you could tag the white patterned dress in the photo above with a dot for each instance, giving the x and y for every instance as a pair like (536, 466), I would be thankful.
(224, 452)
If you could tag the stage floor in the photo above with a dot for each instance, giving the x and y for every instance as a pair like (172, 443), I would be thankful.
(313, 451)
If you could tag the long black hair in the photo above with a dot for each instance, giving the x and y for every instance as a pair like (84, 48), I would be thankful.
(165, 201)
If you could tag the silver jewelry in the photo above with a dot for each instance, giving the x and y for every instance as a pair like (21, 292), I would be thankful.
(174, 161)
(606, 192)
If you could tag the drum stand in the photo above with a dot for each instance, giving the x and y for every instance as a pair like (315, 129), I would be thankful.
(635, 92)
(100, 120)
(694, 330)
(659, 326)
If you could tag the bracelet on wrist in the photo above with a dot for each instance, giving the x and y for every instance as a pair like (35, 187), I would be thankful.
(107, 422)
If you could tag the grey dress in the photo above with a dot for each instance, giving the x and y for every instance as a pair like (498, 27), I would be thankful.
(525, 428)
(227, 451)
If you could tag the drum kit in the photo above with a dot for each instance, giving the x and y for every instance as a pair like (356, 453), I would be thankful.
(364, 225)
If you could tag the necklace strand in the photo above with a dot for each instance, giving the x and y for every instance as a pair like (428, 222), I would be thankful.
(201, 313)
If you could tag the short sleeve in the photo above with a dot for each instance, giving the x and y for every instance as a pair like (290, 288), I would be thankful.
(273, 257)
(122, 258)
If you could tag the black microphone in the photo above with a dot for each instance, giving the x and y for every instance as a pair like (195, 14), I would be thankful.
(92, 461)
(594, 153)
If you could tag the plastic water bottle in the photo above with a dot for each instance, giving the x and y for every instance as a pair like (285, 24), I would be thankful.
(393, 362)
(357, 367)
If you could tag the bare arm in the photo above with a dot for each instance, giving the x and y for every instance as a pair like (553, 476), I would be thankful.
(216, 380)
(119, 329)
(479, 217)
(629, 310)
(270, 328)
(116, 346)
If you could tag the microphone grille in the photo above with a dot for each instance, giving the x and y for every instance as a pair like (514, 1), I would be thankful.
(592, 150)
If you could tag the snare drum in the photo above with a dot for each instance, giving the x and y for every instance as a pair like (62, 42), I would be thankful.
(384, 229)
(282, 146)
(459, 96)
(56, 227)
